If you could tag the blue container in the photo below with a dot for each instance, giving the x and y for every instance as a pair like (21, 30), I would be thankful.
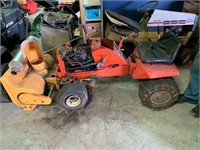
(93, 13)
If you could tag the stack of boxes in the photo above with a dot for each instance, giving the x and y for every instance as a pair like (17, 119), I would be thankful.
(92, 17)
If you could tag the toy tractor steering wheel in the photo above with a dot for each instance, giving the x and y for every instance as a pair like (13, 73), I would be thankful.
(128, 31)
(143, 9)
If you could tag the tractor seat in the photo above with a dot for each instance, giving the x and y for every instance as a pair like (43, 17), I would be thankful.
(162, 51)
(119, 19)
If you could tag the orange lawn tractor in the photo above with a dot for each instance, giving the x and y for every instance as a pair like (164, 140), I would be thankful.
(30, 75)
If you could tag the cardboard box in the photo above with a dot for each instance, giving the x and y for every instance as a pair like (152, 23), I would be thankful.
(21, 2)
(91, 28)
(67, 1)
(91, 2)
(191, 6)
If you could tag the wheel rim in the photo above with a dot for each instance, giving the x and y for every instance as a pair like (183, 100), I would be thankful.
(73, 100)
(160, 97)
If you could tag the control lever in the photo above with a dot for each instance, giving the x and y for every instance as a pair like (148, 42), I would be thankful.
(86, 34)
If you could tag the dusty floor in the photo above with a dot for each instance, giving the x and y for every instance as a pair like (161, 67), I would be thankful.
(114, 119)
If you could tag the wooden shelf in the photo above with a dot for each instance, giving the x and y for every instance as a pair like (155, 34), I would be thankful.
(91, 23)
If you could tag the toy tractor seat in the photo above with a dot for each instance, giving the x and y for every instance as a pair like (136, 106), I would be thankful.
(162, 51)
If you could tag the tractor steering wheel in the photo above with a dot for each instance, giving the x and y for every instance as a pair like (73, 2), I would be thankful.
(142, 9)
(128, 31)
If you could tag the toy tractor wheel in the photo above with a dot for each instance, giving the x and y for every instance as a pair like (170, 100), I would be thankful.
(72, 96)
(158, 94)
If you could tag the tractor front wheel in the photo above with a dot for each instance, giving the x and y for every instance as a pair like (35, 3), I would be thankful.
(158, 94)
(72, 96)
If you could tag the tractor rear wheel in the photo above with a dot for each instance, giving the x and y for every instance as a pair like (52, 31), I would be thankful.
(158, 94)
(72, 96)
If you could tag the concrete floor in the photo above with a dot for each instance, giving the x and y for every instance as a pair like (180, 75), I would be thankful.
(114, 119)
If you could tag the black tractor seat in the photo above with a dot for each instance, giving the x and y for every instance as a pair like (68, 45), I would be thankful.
(119, 19)
(162, 51)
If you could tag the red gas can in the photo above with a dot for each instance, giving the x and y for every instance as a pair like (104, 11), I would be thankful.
(31, 6)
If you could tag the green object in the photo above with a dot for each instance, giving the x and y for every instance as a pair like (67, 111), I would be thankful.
(36, 27)
(192, 90)
(195, 44)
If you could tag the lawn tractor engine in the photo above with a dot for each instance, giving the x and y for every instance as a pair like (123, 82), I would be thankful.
(78, 58)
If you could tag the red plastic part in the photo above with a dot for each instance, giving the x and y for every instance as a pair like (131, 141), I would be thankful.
(154, 70)
(62, 70)
(137, 69)
(31, 6)
(105, 72)
(113, 63)
(111, 57)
